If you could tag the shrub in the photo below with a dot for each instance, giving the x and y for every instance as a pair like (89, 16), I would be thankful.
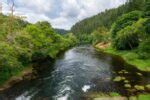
(126, 39)
(130, 36)
(9, 63)
(124, 21)
(144, 49)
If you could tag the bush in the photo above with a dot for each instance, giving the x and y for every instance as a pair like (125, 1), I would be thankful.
(9, 63)
(144, 49)
(147, 26)
(100, 35)
(126, 39)
(130, 36)
(124, 21)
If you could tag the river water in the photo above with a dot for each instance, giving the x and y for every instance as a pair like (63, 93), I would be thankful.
(76, 72)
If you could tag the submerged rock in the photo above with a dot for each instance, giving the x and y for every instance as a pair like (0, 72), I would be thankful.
(123, 72)
(117, 79)
(138, 87)
(126, 72)
(123, 78)
(120, 72)
(127, 85)
(139, 74)
(126, 81)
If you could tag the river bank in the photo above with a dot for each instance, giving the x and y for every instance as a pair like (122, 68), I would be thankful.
(130, 56)
(25, 74)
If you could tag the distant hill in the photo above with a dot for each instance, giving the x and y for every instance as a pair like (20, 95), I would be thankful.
(61, 31)
(106, 18)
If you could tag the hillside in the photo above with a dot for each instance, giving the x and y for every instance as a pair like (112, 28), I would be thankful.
(106, 18)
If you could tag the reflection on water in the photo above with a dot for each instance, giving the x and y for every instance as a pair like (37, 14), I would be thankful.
(79, 70)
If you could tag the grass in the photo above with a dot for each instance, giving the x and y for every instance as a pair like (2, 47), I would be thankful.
(131, 57)
(144, 97)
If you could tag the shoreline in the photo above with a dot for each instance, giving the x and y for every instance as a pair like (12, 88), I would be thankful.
(137, 63)
(25, 74)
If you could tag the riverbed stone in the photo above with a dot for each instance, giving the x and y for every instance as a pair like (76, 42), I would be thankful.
(139, 74)
(126, 72)
(117, 79)
(123, 78)
(126, 81)
(147, 86)
(127, 86)
(120, 72)
(138, 87)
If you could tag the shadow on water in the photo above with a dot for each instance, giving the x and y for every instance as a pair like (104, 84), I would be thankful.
(130, 74)
(76, 72)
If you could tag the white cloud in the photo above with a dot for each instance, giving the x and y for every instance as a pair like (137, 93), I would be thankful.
(62, 13)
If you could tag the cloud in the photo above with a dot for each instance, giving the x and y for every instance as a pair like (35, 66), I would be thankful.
(61, 13)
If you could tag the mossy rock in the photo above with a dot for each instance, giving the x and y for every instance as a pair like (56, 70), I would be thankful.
(117, 79)
(126, 81)
(126, 72)
(123, 70)
(127, 86)
(123, 78)
(147, 86)
(139, 74)
(138, 87)
(133, 98)
(144, 97)
(120, 72)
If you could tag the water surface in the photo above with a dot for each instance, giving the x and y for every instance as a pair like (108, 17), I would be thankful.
(78, 71)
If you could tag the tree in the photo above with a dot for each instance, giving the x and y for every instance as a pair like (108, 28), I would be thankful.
(130, 36)
(125, 20)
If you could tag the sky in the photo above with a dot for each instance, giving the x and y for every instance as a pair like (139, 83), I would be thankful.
(60, 13)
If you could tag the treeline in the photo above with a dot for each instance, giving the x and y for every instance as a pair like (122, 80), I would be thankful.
(22, 42)
(106, 18)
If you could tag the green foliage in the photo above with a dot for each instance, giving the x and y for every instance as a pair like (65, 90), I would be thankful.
(144, 49)
(126, 39)
(100, 35)
(127, 32)
(147, 26)
(28, 42)
(85, 39)
(106, 18)
(144, 97)
(147, 9)
(124, 21)
(9, 63)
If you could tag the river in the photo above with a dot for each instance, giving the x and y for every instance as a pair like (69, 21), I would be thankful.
(75, 73)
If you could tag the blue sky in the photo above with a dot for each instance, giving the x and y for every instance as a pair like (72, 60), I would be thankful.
(60, 13)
